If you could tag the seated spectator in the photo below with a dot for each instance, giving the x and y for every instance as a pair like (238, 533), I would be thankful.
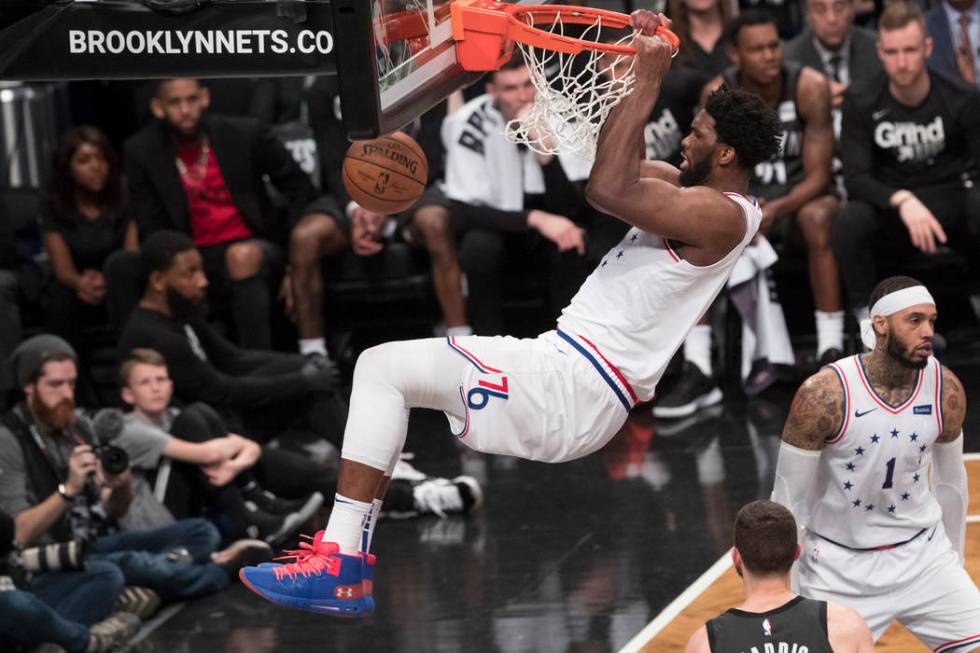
(85, 222)
(954, 27)
(262, 394)
(204, 175)
(57, 488)
(911, 140)
(324, 231)
(833, 45)
(700, 25)
(69, 608)
(501, 194)
(794, 189)
(208, 469)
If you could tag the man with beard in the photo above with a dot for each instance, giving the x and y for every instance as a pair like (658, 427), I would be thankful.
(564, 394)
(55, 485)
(260, 393)
(772, 616)
(854, 468)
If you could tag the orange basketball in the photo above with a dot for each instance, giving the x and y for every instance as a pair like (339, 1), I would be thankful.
(387, 174)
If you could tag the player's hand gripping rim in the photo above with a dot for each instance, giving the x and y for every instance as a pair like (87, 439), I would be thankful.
(647, 23)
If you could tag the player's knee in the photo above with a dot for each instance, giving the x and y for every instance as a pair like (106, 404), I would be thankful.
(373, 363)
(816, 222)
(243, 260)
(314, 233)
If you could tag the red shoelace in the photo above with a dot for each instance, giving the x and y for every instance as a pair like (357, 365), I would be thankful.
(307, 560)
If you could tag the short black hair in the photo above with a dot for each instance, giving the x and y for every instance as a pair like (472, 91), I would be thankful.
(744, 121)
(516, 61)
(159, 250)
(765, 536)
(747, 19)
(890, 285)
(160, 83)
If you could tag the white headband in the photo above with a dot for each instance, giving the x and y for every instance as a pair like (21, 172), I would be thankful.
(893, 303)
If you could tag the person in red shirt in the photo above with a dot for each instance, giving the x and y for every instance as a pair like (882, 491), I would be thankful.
(205, 175)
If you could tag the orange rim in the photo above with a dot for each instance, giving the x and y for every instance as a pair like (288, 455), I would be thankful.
(479, 24)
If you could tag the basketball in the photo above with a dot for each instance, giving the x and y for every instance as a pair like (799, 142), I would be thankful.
(387, 174)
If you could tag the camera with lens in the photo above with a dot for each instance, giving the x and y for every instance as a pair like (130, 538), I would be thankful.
(114, 459)
(61, 556)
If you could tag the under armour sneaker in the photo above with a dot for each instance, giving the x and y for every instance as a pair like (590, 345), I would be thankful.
(320, 579)
(694, 390)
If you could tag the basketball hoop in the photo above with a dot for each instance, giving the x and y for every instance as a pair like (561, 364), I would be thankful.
(578, 79)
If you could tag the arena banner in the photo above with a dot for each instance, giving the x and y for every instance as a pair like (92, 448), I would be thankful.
(112, 39)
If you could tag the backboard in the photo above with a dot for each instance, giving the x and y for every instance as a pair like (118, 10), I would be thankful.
(395, 60)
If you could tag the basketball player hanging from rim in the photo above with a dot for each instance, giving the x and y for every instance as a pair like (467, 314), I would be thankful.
(564, 394)
(871, 464)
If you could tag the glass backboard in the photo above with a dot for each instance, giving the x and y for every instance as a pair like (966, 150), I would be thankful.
(395, 60)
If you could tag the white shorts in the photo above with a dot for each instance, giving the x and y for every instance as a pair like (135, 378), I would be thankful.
(921, 584)
(541, 399)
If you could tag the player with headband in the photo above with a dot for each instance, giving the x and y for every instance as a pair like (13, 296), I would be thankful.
(884, 533)
(566, 393)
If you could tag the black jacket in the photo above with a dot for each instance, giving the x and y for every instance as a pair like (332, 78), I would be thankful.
(863, 58)
(246, 152)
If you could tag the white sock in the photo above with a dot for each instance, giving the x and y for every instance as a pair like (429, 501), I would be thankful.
(367, 533)
(459, 331)
(312, 346)
(346, 523)
(697, 347)
(830, 330)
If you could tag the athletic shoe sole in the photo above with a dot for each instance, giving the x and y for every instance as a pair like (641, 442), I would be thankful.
(714, 396)
(287, 601)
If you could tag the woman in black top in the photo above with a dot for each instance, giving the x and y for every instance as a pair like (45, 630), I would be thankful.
(700, 25)
(84, 223)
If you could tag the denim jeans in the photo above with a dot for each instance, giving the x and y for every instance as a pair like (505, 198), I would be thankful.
(59, 607)
(145, 558)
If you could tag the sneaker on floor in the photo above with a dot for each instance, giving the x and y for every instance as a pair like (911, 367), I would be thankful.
(405, 472)
(692, 391)
(140, 601)
(242, 553)
(112, 633)
(276, 505)
(319, 579)
(274, 529)
(441, 496)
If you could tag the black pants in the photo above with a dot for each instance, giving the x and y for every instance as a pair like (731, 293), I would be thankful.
(487, 257)
(285, 473)
(866, 237)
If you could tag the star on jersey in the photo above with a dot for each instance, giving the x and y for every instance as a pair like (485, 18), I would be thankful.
(869, 508)
(905, 496)
(894, 433)
(620, 255)
(915, 478)
(603, 264)
(634, 237)
(891, 508)
(856, 503)
(859, 451)
(874, 439)
(848, 485)
(850, 467)
(922, 449)
(914, 437)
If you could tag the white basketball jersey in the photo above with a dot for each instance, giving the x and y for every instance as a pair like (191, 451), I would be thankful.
(872, 486)
(642, 300)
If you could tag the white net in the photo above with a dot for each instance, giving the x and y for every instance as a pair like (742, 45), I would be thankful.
(574, 92)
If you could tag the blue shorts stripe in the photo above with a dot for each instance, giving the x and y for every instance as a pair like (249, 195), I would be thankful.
(598, 366)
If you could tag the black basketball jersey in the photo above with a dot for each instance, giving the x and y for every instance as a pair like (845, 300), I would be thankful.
(776, 177)
(799, 626)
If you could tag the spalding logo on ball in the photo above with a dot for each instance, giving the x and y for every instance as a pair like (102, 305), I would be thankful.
(387, 174)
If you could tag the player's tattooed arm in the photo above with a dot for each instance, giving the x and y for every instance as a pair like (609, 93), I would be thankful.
(817, 412)
(953, 406)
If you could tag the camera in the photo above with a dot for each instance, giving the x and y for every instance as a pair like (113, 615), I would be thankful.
(114, 459)
(61, 556)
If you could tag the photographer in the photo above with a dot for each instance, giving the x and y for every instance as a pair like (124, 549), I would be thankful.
(60, 485)
(59, 607)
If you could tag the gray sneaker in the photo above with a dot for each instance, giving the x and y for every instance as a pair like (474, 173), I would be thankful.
(140, 601)
(112, 633)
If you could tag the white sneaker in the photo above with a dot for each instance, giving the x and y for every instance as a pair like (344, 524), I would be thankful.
(441, 496)
(405, 472)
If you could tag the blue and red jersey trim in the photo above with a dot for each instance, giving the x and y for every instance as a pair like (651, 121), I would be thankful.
(939, 396)
(609, 372)
(465, 353)
(957, 644)
(894, 410)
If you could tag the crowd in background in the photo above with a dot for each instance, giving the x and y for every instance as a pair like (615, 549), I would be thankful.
(175, 280)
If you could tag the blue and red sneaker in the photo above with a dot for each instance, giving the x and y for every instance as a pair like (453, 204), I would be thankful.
(320, 579)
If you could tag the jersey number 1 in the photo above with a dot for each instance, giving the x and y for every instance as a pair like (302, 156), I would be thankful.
(888, 477)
